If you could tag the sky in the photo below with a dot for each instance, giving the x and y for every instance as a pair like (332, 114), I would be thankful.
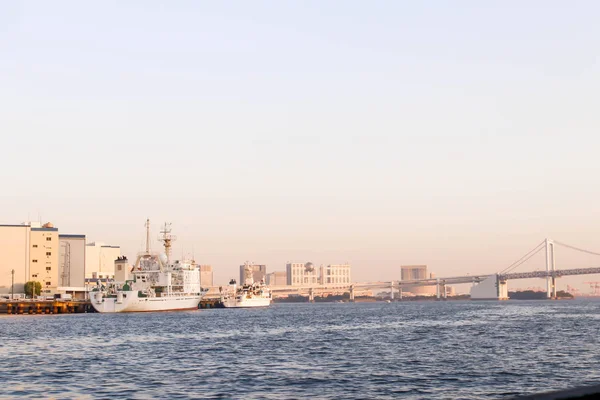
(383, 133)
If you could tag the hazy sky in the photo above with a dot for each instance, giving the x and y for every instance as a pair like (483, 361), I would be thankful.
(453, 134)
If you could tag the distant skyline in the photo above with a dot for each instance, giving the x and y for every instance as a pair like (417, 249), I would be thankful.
(457, 135)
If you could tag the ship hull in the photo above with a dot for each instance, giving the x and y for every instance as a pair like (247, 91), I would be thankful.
(132, 303)
(247, 303)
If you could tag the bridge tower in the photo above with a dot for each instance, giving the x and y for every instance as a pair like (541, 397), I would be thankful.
(550, 270)
(311, 295)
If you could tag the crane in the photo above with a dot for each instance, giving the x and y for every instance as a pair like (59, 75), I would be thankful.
(595, 286)
(573, 290)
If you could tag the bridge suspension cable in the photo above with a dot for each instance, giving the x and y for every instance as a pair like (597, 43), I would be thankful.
(577, 248)
(525, 258)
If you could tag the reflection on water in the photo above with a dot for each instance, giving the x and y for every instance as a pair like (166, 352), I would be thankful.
(370, 350)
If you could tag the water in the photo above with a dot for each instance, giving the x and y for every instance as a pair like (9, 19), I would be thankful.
(425, 350)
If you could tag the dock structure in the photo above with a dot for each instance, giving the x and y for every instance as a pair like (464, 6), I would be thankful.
(20, 307)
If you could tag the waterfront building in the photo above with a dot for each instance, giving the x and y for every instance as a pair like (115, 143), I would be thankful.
(14, 255)
(450, 291)
(413, 272)
(43, 256)
(259, 272)
(416, 272)
(206, 276)
(278, 278)
(32, 251)
(71, 260)
(100, 260)
(336, 274)
(299, 274)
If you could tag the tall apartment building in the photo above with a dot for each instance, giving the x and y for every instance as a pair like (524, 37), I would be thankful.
(100, 260)
(259, 272)
(206, 276)
(72, 260)
(31, 250)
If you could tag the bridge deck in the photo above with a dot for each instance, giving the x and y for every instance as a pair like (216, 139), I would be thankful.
(454, 280)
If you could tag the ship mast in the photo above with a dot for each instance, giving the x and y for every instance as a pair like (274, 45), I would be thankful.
(167, 238)
(148, 236)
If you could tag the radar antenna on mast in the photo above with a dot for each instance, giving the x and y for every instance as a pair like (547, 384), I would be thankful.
(167, 239)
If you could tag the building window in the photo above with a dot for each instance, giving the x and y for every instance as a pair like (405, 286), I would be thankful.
(34, 275)
(48, 268)
(35, 246)
(48, 239)
(34, 261)
(48, 253)
(47, 283)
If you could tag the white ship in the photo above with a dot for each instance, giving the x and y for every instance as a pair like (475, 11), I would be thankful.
(154, 284)
(250, 294)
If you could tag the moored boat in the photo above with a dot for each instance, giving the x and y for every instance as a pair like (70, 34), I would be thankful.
(249, 294)
(153, 284)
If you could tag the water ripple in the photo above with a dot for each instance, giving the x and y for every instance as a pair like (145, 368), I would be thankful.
(458, 350)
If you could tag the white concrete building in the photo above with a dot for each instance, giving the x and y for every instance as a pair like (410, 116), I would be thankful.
(71, 260)
(337, 274)
(100, 260)
(301, 274)
(31, 250)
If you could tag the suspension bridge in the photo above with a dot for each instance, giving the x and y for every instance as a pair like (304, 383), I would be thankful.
(485, 286)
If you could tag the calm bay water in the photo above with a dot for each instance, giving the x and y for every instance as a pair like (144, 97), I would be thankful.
(424, 350)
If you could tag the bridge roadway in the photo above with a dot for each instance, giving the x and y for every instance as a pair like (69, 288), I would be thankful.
(545, 274)
(311, 290)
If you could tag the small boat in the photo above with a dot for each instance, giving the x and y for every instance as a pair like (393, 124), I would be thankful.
(250, 294)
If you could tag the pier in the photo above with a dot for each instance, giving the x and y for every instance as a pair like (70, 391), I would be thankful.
(23, 306)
